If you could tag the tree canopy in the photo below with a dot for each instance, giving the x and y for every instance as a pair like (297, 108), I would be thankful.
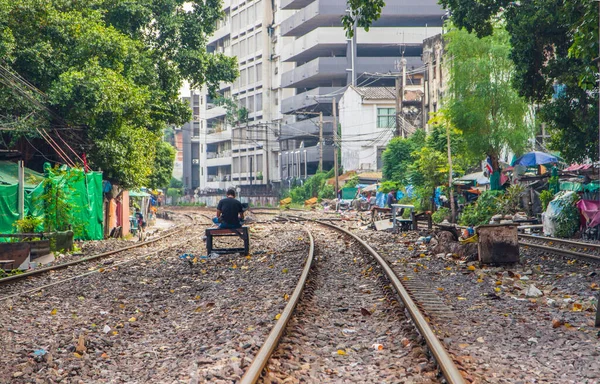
(163, 166)
(553, 44)
(481, 101)
(108, 74)
(363, 12)
(399, 155)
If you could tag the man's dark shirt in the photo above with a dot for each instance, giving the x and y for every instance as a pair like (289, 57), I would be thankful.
(391, 199)
(230, 208)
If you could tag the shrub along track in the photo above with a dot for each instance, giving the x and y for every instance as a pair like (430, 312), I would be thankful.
(346, 324)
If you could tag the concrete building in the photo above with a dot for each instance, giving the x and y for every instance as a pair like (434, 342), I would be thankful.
(325, 62)
(233, 153)
(294, 58)
(436, 74)
(188, 136)
(367, 117)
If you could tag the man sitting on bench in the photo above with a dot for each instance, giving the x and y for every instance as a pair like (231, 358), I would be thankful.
(230, 213)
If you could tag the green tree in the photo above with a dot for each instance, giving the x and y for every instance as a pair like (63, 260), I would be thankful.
(108, 74)
(481, 101)
(163, 165)
(398, 156)
(363, 12)
(553, 44)
(429, 171)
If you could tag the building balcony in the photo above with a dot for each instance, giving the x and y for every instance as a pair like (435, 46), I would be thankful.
(214, 112)
(296, 163)
(219, 34)
(316, 72)
(218, 161)
(217, 137)
(309, 99)
(327, 70)
(331, 42)
(328, 13)
(322, 42)
(308, 127)
(295, 4)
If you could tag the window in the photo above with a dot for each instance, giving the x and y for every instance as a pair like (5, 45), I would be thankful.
(258, 38)
(243, 19)
(250, 11)
(258, 72)
(235, 23)
(243, 78)
(259, 106)
(259, 11)
(251, 75)
(251, 104)
(386, 117)
(251, 45)
(243, 48)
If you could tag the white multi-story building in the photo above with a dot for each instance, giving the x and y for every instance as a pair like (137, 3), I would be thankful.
(294, 58)
(325, 62)
(243, 153)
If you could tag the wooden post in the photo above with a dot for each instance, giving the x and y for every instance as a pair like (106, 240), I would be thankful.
(21, 190)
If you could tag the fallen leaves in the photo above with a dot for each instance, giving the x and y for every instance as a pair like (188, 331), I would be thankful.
(365, 312)
(54, 312)
(341, 352)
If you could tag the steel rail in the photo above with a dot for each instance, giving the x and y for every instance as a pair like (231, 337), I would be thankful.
(28, 291)
(264, 354)
(564, 241)
(445, 362)
(561, 251)
(40, 271)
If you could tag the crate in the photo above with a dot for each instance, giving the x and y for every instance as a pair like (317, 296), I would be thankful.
(498, 244)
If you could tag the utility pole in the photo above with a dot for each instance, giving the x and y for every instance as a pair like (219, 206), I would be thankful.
(400, 86)
(320, 141)
(398, 106)
(267, 154)
(335, 145)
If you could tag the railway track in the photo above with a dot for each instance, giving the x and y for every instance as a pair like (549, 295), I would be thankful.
(43, 277)
(306, 312)
(569, 248)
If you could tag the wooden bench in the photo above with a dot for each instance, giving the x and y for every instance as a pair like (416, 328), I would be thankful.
(242, 233)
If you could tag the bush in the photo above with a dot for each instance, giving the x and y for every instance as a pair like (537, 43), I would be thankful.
(481, 212)
(567, 222)
(387, 186)
(441, 214)
(327, 192)
(29, 224)
(546, 197)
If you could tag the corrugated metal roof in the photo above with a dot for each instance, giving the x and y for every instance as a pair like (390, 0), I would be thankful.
(376, 93)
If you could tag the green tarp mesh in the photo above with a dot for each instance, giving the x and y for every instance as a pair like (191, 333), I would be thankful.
(9, 175)
(571, 186)
(85, 197)
(592, 187)
(349, 193)
(8, 208)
